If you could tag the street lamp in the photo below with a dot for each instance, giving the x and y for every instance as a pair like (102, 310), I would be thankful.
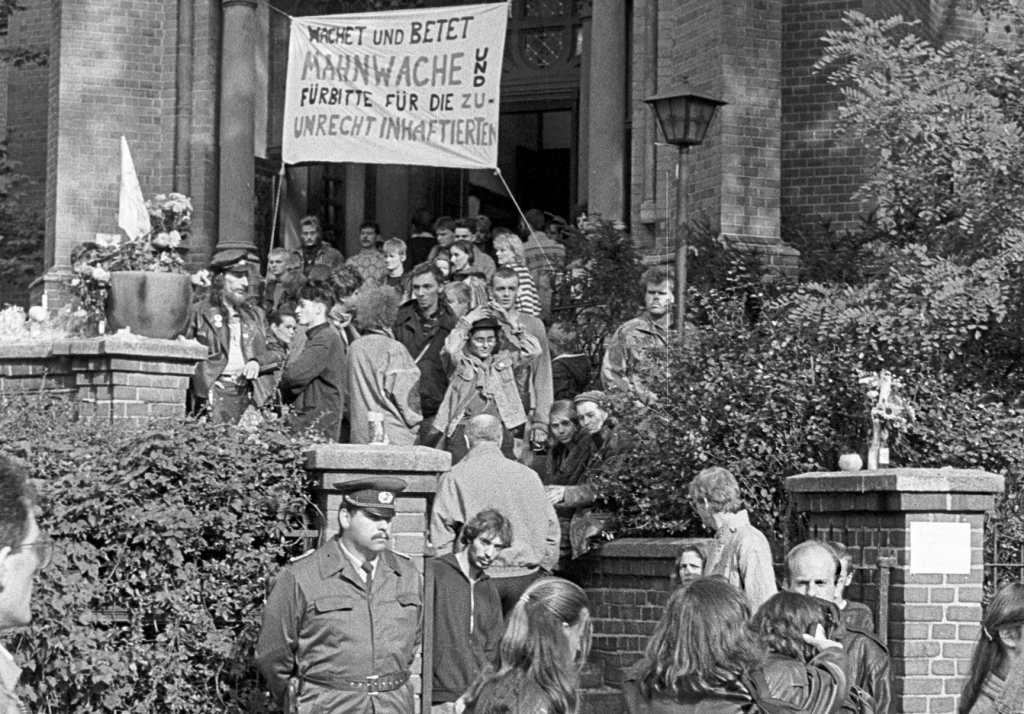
(684, 119)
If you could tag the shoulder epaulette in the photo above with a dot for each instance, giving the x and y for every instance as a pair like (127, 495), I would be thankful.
(304, 555)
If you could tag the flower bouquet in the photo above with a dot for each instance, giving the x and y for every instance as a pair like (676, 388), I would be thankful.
(161, 250)
(889, 413)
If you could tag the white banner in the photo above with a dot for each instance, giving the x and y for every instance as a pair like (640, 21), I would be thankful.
(407, 87)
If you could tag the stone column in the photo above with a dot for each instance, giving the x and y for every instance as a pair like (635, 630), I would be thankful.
(932, 613)
(236, 225)
(336, 464)
(606, 144)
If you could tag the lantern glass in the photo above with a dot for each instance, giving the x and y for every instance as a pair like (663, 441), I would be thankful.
(684, 118)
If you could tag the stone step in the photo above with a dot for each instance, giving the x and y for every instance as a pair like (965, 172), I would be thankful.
(606, 700)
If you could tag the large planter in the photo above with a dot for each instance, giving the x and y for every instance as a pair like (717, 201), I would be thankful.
(150, 304)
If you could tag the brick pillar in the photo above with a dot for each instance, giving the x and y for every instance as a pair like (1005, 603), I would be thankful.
(238, 126)
(128, 381)
(335, 464)
(933, 617)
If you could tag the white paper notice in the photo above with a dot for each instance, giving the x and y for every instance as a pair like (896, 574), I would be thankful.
(940, 548)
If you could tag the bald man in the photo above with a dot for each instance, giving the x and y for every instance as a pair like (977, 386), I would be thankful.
(484, 479)
(812, 568)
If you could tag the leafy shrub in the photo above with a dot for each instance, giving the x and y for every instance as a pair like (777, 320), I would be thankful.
(600, 288)
(166, 539)
(780, 395)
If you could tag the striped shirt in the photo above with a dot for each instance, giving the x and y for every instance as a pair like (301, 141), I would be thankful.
(527, 300)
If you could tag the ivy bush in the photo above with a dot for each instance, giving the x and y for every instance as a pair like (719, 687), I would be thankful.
(166, 538)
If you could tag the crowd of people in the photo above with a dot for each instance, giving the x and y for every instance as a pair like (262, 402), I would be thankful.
(343, 624)
(406, 341)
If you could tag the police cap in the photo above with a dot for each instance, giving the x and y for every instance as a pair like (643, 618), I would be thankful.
(374, 495)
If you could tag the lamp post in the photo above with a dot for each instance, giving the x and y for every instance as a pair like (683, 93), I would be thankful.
(684, 119)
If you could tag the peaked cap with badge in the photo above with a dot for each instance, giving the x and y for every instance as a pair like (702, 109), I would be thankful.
(374, 495)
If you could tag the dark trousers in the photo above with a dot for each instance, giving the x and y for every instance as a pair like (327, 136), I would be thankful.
(511, 589)
(227, 403)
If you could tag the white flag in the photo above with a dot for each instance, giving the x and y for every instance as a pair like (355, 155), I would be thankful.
(132, 215)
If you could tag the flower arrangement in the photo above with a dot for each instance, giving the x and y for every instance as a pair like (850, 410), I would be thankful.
(160, 250)
(888, 411)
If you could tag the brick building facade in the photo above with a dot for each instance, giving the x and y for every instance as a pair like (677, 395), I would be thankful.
(183, 87)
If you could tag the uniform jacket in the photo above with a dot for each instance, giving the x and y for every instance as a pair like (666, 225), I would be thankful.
(314, 381)
(493, 377)
(209, 326)
(426, 347)
(486, 479)
(467, 628)
(321, 625)
(383, 378)
(10, 673)
(325, 254)
(740, 553)
(625, 349)
(817, 687)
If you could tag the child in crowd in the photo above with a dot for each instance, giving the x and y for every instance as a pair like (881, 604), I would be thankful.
(856, 615)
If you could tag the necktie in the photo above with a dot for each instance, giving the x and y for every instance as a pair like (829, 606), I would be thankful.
(367, 567)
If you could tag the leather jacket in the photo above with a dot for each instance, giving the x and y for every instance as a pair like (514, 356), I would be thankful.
(818, 687)
(868, 667)
(209, 326)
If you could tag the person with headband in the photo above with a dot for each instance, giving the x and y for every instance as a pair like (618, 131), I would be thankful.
(995, 682)
(546, 643)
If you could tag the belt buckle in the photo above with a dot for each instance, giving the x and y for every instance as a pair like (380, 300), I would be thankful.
(373, 685)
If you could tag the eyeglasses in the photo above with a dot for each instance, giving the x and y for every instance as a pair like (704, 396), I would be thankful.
(43, 549)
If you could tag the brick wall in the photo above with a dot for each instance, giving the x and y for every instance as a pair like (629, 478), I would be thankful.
(627, 584)
(108, 379)
(113, 75)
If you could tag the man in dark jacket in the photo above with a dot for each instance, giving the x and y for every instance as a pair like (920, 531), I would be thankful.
(235, 333)
(467, 608)
(422, 325)
(812, 568)
(314, 380)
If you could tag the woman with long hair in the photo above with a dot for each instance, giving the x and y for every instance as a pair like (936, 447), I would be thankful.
(996, 679)
(689, 565)
(545, 645)
(704, 656)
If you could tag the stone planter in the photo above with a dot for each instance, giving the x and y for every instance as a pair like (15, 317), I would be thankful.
(149, 304)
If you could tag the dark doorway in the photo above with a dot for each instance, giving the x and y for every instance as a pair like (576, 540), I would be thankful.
(536, 153)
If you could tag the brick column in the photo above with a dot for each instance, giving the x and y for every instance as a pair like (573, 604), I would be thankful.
(933, 617)
(238, 126)
(336, 464)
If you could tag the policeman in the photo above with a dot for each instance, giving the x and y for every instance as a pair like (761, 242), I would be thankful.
(342, 624)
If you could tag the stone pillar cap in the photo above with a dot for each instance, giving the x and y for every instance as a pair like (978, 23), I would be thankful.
(377, 457)
(944, 480)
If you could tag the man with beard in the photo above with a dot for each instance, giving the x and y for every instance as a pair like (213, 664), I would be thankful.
(342, 625)
(235, 333)
(634, 338)
(369, 261)
(422, 325)
(467, 608)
